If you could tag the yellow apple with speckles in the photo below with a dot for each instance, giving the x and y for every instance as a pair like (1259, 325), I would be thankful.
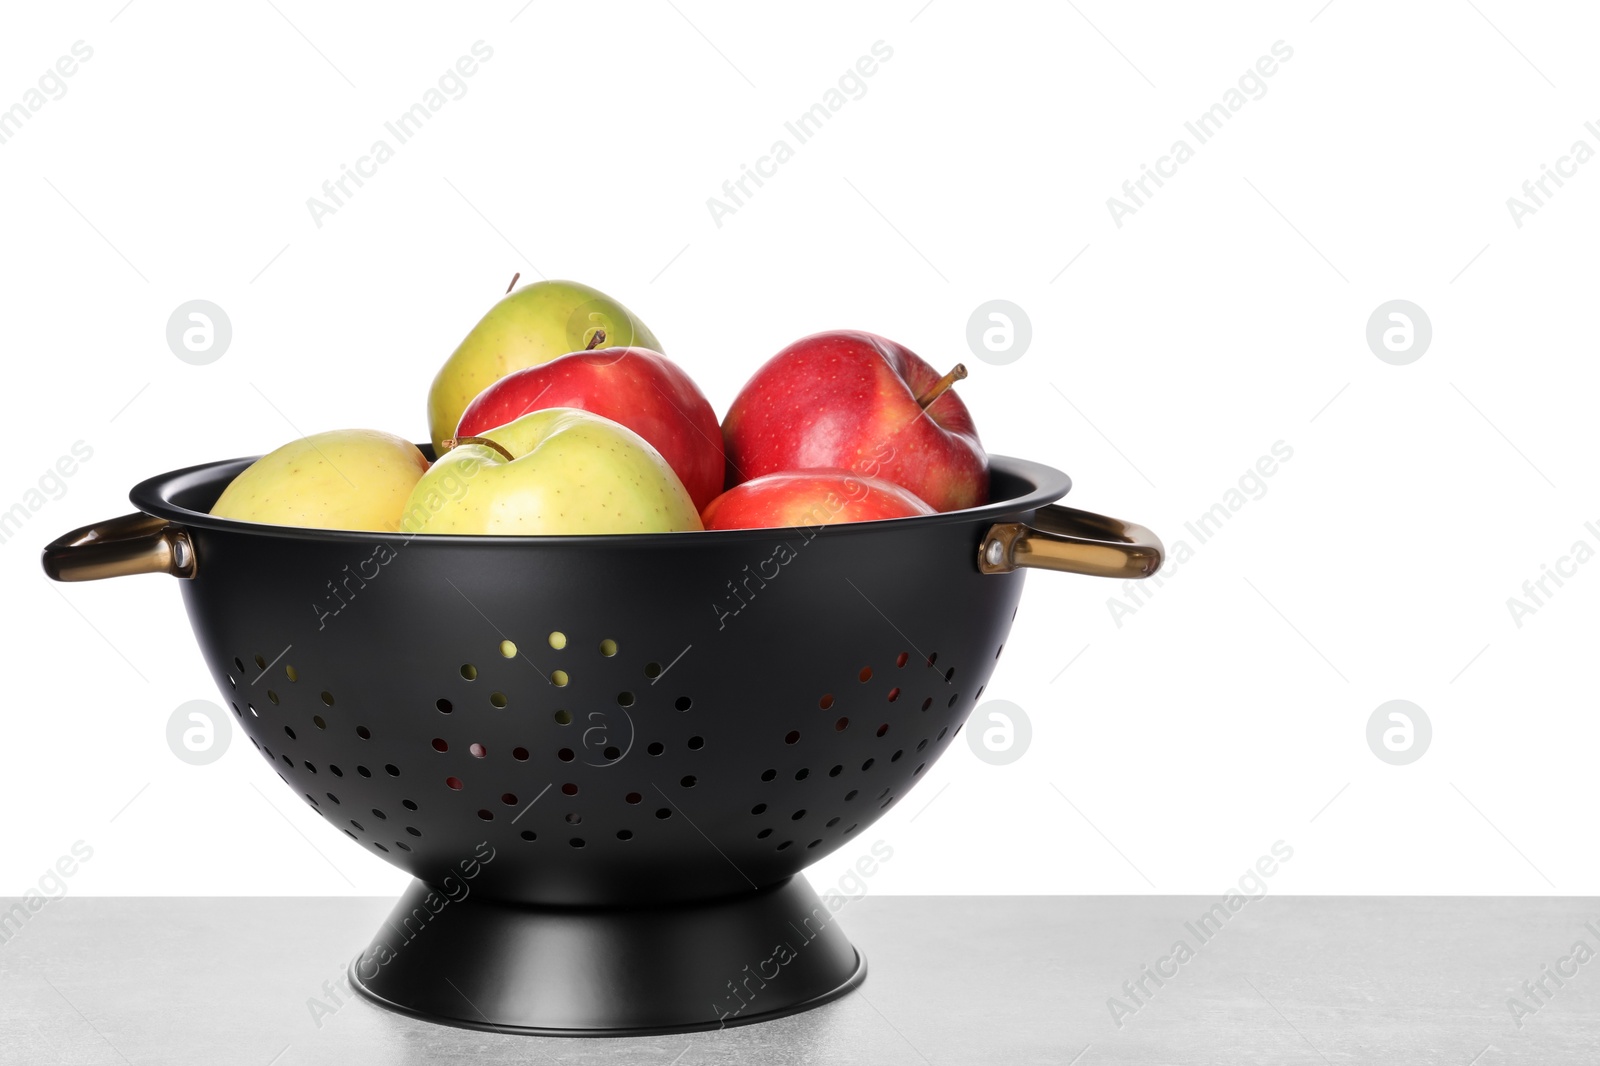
(559, 471)
(342, 479)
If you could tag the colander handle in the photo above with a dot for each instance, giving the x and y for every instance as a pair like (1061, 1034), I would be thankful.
(133, 544)
(1076, 542)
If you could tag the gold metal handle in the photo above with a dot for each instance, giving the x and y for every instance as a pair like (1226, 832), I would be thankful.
(133, 544)
(1076, 542)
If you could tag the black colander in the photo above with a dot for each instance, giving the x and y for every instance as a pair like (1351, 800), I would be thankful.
(604, 758)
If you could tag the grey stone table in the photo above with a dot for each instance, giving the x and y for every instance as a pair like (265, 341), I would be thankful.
(1015, 980)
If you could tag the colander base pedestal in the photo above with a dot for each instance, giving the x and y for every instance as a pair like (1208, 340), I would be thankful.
(598, 971)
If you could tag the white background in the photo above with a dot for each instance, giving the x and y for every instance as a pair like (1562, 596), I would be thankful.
(1227, 314)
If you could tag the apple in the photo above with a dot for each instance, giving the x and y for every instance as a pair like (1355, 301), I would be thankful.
(851, 400)
(555, 471)
(642, 389)
(342, 479)
(810, 498)
(532, 325)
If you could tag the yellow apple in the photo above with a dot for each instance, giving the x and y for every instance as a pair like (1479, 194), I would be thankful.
(342, 479)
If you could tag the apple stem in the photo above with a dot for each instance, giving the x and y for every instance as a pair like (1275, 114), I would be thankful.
(942, 386)
(452, 442)
(513, 284)
(596, 341)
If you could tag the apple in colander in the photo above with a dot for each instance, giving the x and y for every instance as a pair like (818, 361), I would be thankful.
(559, 471)
(810, 498)
(856, 401)
(341, 479)
(642, 389)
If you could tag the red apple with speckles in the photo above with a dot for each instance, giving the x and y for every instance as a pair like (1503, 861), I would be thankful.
(810, 498)
(642, 389)
(858, 402)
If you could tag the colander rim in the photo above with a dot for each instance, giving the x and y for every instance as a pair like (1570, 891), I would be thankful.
(158, 496)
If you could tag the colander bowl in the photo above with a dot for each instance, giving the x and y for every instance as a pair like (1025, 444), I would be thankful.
(604, 758)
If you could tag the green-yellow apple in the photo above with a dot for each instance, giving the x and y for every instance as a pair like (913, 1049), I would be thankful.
(342, 479)
(559, 471)
(532, 325)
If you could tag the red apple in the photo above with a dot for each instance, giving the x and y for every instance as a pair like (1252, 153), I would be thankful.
(642, 389)
(810, 498)
(859, 402)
